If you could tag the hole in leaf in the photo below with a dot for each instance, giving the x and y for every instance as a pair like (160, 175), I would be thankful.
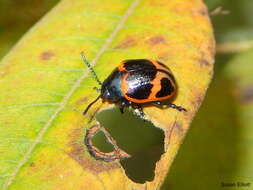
(140, 139)
(99, 140)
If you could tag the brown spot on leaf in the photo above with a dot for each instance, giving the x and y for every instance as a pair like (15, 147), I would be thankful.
(178, 127)
(204, 63)
(199, 100)
(246, 94)
(211, 48)
(155, 40)
(206, 60)
(175, 130)
(46, 55)
(126, 43)
(81, 100)
(210, 73)
(79, 154)
(196, 102)
(202, 12)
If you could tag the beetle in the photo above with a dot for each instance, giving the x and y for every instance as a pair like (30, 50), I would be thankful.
(135, 83)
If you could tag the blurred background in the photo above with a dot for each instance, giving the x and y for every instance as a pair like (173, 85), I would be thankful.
(218, 148)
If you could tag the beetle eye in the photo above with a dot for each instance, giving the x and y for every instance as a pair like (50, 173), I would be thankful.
(106, 93)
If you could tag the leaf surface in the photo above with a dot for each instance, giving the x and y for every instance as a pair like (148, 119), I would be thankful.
(45, 87)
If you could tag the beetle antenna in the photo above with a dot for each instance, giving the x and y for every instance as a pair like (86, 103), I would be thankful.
(90, 68)
(88, 107)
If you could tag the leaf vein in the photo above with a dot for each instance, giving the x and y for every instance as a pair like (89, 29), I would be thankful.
(29, 105)
(70, 93)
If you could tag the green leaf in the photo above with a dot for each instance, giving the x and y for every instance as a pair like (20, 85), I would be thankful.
(45, 87)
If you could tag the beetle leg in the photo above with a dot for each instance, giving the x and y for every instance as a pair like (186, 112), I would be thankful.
(174, 106)
(97, 89)
(157, 103)
(122, 106)
(121, 109)
(142, 115)
(139, 108)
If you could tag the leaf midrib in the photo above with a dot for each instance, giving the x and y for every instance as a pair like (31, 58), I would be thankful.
(69, 94)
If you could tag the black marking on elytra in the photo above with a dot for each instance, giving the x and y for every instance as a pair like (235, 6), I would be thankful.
(159, 63)
(142, 92)
(138, 64)
(166, 70)
(140, 77)
(139, 83)
(166, 88)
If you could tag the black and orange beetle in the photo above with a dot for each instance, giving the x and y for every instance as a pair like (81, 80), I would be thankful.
(137, 82)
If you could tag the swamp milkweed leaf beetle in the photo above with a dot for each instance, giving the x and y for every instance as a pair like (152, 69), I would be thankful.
(137, 82)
